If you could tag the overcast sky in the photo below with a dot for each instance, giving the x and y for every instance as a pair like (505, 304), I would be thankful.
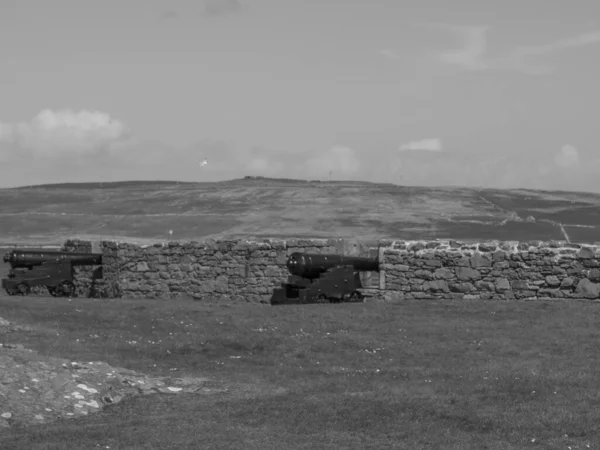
(421, 92)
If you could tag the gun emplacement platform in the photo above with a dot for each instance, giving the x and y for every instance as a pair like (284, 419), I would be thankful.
(39, 268)
(317, 278)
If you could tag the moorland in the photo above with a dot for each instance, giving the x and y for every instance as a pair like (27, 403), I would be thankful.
(261, 207)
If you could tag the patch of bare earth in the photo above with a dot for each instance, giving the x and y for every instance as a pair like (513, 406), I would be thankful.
(35, 388)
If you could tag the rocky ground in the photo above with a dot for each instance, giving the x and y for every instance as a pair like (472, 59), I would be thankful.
(37, 389)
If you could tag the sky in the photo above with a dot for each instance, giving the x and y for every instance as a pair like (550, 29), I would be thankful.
(414, 92)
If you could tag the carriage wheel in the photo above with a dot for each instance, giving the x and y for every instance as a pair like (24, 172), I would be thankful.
(64, 289)
(346, 297)
(356, 297)
(23, 288)
(321, 298)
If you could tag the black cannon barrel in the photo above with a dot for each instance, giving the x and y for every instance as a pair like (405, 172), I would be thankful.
(308, 265)
(30, 258)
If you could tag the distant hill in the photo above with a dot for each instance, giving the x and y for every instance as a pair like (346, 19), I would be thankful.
(269, 207)
(253, 180)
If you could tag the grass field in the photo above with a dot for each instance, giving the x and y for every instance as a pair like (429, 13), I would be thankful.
(413, 375)
(143, 211)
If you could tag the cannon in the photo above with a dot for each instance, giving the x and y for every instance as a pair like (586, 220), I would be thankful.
(45, 268)
(316, 278)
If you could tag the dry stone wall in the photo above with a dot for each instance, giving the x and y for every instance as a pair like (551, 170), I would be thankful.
(507, 270)
(236, 270)
(248, 270)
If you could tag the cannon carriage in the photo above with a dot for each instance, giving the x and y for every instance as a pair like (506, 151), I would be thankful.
(52, 269)
(317, 278)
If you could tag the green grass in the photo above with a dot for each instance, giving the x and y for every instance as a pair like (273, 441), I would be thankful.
(411, 375)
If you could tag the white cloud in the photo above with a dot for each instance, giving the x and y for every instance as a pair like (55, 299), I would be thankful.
(63, 146)
(64, 133)
(580, 40)
(564, 169)
(226, 161)
(430, 145)
(472, 52)
(219, 7)
(260, 161)
(567, 157)
(6, 132)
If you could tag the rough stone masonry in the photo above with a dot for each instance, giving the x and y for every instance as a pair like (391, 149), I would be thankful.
(507, 270)
(248, 270)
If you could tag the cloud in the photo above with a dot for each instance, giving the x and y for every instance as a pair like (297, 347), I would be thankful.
(561, 169)
(68, 146)
(472, 54)
(428, 145)
(220, 7)
(226, 161)
(259, 161)
(567, 157)
(6, 132)
(423, 165)
(580, 40)
(63, 133)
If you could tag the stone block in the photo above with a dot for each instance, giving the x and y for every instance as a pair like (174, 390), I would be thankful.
(502, 284)
(467, 274)
(433, 263)
(461, 287)
(594, 275)
(480, 260)
(519, 285)
(586, 289)
(552, 281)
(443, 273)
(436, 286)
(424, 274)
(585, 253)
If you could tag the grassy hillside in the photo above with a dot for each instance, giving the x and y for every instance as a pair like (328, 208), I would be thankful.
(147, 210)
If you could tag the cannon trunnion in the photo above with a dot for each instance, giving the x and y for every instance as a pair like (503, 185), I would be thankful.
(316, 278)
(52, 269)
